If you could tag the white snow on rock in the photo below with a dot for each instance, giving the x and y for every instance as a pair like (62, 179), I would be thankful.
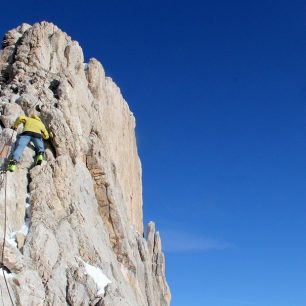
(7, 275)
(12, 240)
(25, 227)
(98, 276)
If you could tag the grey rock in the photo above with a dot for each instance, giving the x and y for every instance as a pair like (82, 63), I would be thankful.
(84, 203)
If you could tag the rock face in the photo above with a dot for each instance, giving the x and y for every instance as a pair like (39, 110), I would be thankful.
(74, 232)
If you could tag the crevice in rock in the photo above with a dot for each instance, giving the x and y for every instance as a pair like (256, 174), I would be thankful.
(67, 294)
(38, 108)
(2, 124)
(6, 269)
(29, 182)
(154, 256)
(54, 85)
(114, 171)
(99, 303)
(14, 89)
(45, 284)
(109, 213)
(141, 250)
(51, 147)
(5, 75)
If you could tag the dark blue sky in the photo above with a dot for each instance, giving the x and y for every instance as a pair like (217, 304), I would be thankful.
(218, 89)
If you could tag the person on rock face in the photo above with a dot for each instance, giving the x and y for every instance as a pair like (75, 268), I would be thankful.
(33, 130)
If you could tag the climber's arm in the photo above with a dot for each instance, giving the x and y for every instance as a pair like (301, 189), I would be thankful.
(45, 133)
(20, 119)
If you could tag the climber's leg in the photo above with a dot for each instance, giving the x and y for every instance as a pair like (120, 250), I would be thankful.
(21, 143)
(12, 165)
(40, 149)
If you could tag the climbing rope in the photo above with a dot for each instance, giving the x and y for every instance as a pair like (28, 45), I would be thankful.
(4, 177)
(4, 235)
(3, 171)
(2, 296)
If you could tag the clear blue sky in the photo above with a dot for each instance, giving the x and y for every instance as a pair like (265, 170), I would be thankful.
(219, 90)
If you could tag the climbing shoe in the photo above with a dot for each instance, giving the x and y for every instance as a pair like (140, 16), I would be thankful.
(12, 165)
(40, 158)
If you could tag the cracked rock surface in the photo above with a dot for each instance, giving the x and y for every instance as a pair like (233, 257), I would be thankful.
(83, 205)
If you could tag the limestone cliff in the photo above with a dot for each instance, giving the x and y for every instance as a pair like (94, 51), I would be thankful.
(74, 224)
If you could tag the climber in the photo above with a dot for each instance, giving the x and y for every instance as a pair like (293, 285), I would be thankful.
(33, 131)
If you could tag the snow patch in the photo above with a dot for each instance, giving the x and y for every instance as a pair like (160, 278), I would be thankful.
(7, 275)
(98, 276)
(25, 227)
(12, 240)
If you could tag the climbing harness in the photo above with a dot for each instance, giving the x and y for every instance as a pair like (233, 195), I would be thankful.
(4, 179)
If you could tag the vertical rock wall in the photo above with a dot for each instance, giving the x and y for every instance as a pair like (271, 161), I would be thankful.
(81, 210)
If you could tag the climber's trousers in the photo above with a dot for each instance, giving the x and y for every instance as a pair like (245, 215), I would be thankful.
(22, 142)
